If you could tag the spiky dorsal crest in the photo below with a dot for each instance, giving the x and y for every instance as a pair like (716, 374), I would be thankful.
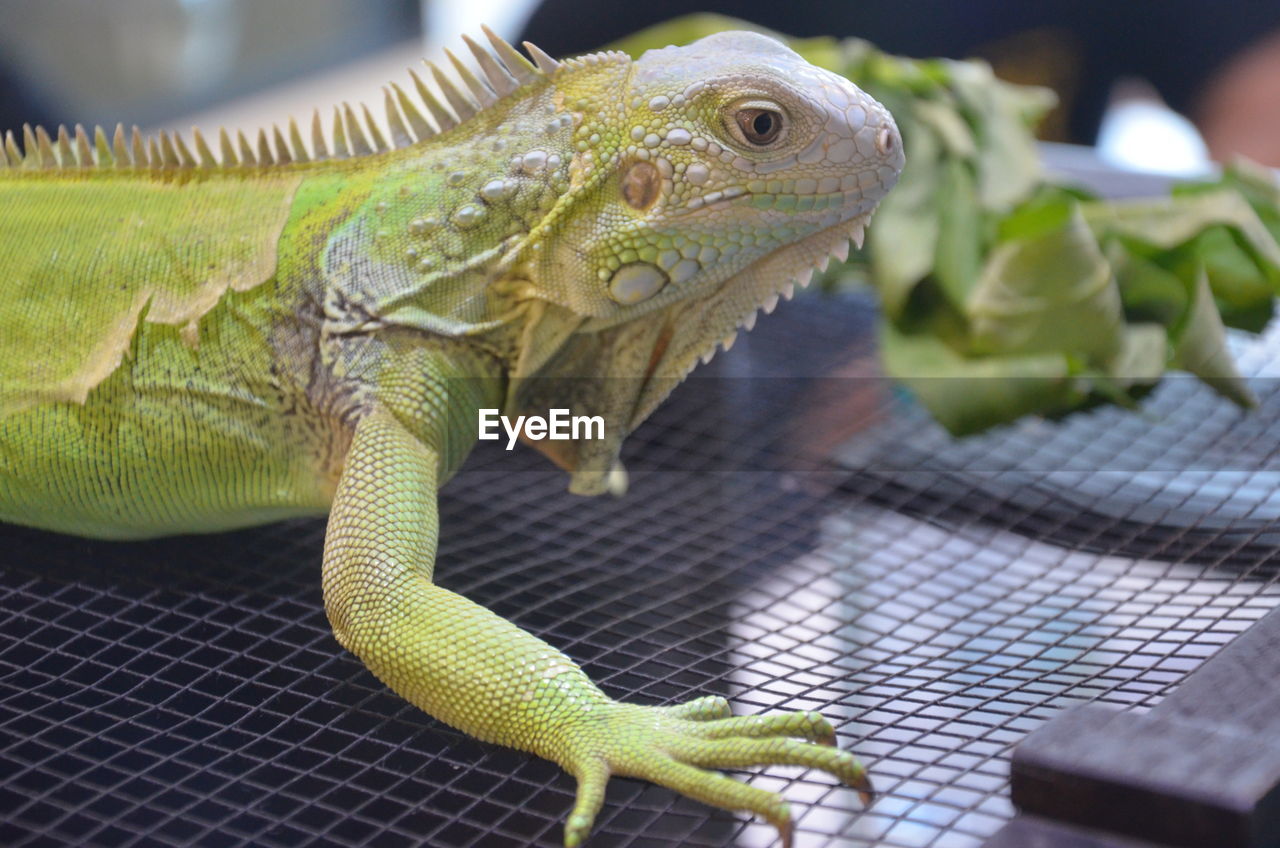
(502, 71)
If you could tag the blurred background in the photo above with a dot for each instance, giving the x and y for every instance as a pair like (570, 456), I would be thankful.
(1158, 85)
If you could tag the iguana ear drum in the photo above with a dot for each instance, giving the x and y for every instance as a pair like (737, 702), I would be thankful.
(636, 282)
(640, 185)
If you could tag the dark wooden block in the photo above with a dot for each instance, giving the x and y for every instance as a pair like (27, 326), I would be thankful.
(1201, 770)
(1193, 784)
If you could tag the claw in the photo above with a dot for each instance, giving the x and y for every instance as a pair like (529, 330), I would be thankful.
(866, 792)
(785, 830)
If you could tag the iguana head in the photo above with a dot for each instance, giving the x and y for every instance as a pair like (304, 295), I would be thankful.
(707, 181)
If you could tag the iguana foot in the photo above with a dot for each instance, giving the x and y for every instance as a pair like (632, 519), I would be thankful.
(677, 746)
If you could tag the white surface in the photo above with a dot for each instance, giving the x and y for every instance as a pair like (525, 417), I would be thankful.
(357, 82)
(445, 20)
(1147, 136)
(361, 81)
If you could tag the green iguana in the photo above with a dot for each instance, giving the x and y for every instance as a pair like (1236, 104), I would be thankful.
(192, 343)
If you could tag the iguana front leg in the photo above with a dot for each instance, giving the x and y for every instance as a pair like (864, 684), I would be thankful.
(483, 675)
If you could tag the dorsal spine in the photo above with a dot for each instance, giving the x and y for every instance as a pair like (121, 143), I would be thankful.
(503, 70)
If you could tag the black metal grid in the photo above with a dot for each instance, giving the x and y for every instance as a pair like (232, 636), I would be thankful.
(938, 600)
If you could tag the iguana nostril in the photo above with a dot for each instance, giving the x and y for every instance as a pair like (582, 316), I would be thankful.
(885, 141)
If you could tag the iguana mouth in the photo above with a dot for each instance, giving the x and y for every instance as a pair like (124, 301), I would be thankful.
(743, 196)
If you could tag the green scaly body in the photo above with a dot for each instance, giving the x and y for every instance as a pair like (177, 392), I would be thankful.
(193, 345)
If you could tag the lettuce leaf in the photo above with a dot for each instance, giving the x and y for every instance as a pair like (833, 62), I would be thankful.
(1006, 294)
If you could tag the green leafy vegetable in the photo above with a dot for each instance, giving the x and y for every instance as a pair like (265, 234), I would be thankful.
(1005, 294)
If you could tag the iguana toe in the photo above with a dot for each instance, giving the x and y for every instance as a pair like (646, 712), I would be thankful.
(680, 748)
(702, 709)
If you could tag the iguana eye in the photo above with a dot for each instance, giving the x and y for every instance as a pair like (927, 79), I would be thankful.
(759, 126)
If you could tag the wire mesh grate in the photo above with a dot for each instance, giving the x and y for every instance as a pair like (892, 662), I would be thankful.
(936, 599)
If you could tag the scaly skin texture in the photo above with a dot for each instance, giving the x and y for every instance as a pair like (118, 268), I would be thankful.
(191, 346)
